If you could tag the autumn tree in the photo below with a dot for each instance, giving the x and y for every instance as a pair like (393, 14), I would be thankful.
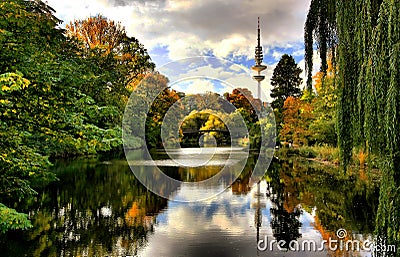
(246, 105)
(207, 100)
(118, 61)
(98, 32)
(297, 115)
(158, 108)
(106, 36)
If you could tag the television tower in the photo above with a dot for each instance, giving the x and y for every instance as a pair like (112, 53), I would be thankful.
(259, 58)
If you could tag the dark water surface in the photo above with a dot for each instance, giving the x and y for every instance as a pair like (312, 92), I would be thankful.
(99, 208)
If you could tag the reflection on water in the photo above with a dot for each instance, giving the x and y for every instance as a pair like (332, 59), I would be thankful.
(183, 178)
(100, 209)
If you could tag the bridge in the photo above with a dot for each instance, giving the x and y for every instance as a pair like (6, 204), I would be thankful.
(191, 137)
(202, 131)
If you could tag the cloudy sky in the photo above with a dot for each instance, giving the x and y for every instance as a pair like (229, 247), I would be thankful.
(176, 29)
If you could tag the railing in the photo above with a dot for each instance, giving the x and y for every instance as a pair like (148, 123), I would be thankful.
(195, 131)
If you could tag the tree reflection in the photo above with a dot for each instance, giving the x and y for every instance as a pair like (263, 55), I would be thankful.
(241, 185)
(98, 210)
(285, 222)
(337, 200)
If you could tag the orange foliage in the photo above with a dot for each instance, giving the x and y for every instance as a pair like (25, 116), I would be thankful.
(297, 116)
(97, 31)
(328, 234)
(135, 211)
(138, 215)
(242, 98)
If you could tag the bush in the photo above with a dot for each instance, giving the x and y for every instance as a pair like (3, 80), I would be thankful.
(307, 152)
(11, 219)
(323, 153)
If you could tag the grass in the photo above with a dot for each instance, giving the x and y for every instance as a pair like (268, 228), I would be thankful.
(322, 153)
(326, 153)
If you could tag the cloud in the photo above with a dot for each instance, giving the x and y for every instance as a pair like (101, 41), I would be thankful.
(190, 28)
(277, 55)
(195, 86)
(175, 29)
(202, 74)
(316, 67)
(129, 2)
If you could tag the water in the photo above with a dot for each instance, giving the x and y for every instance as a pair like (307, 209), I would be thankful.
(99, 208)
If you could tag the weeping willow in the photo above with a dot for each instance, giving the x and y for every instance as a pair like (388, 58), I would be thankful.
(368, 84)
(320, 24)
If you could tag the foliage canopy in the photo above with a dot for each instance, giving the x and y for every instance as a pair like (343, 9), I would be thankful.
(368, 57)
(57, 98)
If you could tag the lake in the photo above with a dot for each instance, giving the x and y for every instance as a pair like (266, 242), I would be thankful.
(99, 208)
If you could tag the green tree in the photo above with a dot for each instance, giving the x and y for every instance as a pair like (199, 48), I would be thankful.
(28, 30)
(19, 163)
(59, 117)
(286, 82)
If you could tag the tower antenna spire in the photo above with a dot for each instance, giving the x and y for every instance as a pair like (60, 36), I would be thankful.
(258, 30)
(258, 67)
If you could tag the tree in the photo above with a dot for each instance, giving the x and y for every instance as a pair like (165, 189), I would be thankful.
(286, 82)
(246, 105)
(321, 23)
(53, 100)
(98, 32)
(19, 163)
(285, 223)
(368, 57)
(101, 36)
(323, 126)
(116, 62)
(214, 122)
(297, 116)
(28, 31)
(158, 109)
